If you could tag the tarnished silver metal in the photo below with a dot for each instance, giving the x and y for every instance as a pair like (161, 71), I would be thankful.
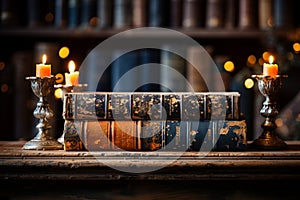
(269, 87)
(65, 90)
(42, 87)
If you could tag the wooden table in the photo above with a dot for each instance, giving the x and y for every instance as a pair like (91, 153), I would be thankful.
(225, 171)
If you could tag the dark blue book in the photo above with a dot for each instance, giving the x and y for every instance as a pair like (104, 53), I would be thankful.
(122, 14)
(283, 13)
(159, 13)
(104, 13)
(60, 13)
(88, 13)
(73, 13)
(122, 64)
(35, 13)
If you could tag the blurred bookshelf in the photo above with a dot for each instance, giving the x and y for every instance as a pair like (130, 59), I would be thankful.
(234, 29)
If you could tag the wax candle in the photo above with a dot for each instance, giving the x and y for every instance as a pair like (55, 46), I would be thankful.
(43, 69)
(270, 69)
(72, 77)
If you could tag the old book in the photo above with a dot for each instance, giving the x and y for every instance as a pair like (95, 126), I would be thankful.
(199, 67)
(88, 13)
(176, 13)
(176, 136)
(60, 13)
(124, 135)
(265, 14)
(8, 13)
(73, 13)
(97, 135)
(158, 13)
(122, 14)
(215, 13)
(231, 14)
(172, 71)
(192, 16)
(119, 106)
(283, 13)
(105, 13)
(152, 135)
(35, 13)
(247, 14)
(139, 14)
(172, 106)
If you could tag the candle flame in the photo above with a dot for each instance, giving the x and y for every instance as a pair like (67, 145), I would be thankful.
(271, 59)
(44, 58)
(71, 66)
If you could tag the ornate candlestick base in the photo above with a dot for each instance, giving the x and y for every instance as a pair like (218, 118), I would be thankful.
(67, 89)
(41, 87)
(269, 87)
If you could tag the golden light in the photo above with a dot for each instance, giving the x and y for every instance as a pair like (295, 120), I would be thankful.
(296, 47)
(260, 61)
(266, 55)
(44, 58)
(94, 21)
(59, 78)
(64, 52)
(49, 17)
(271, 59)
(4, 88)
(71, 66)
(279, 122)
(251, 59)
(249, 83)
(58, 93)
(229, 66)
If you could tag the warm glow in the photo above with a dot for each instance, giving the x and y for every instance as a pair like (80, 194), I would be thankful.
(229, 66)
(44, 58)
(64, 52)
(4, 88)
(249, 83)
(279, 122)
(58, 93)
(2, 66)
(296, 47)
(271, 59)
(71, 66)
(251, 59)
(266, 55)
(59, 78)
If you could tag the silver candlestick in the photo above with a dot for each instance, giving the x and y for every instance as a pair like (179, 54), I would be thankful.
(269, 87)
(42, 87)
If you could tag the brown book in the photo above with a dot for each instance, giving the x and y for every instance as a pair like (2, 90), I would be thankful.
(124, 135)
(231, 14)
(191, 13)
(215, 13)
(96, 135)
(139, 18)
(176, 13)
(247, 14)
(265, 14)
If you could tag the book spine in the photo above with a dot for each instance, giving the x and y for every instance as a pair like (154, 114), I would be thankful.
(191, 14)
(8, 14)
(265, 14)
(88, 13)
(122, 14)
(105, 13)
(283, 13)
(73, 13)
(173, 72)
(97, 135)
(215, 13)
(139, 18)
(35, 13)
(60, 15)
(176, 13)
(247, 14)
(152, 135)
(231, 14)
(158, 13)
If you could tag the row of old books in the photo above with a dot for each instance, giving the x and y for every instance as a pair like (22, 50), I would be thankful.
(153, 121)
(122, 14)
(157, 70)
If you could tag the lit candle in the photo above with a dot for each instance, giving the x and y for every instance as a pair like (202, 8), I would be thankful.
(43, 69)
(72, 77)
(270, 69)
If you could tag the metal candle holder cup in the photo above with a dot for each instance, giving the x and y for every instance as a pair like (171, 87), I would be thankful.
(42, 87)
(269, 87)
